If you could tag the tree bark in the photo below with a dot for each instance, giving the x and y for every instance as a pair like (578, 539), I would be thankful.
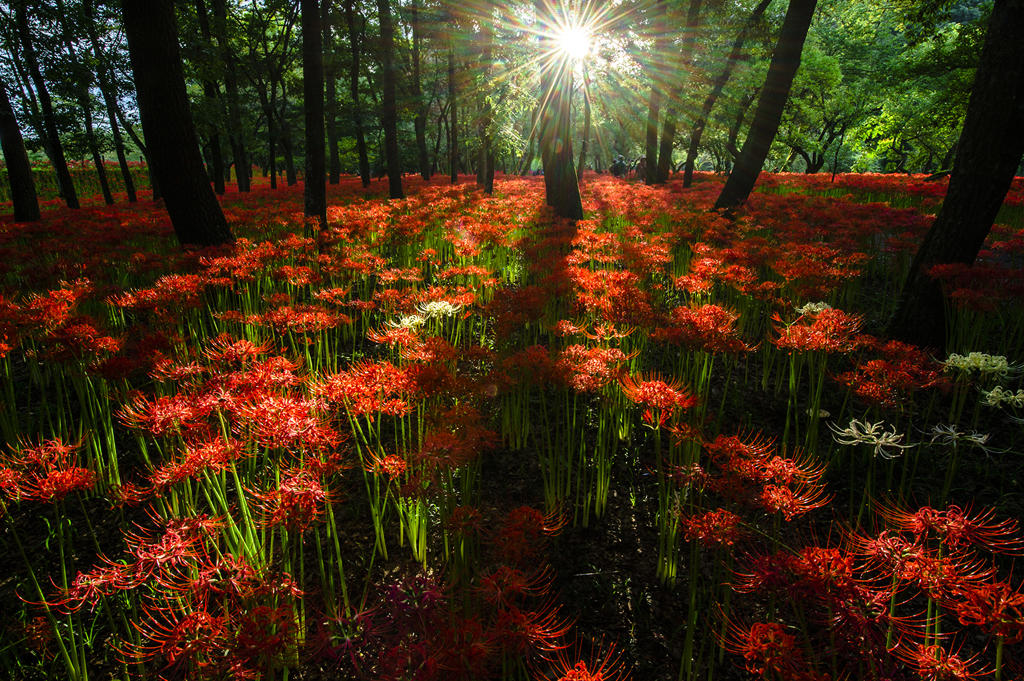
(330, 93)
(167, 123)
(389, 100)
(784, 64)
(243, 169)
(420, 121)
(990, 149)
(657, 67)
(453, 100)
(211, 90)
(561, 184)
(106, 90)
(357, 109)
(60, 164)
(315, 188)
(19, 170)
(668, 132)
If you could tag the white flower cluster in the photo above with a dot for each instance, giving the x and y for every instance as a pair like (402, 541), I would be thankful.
(438, 308)
(412, 321)
(871, 434)
(813, 308)
(980, 361)
(949, 435)
(999, 395)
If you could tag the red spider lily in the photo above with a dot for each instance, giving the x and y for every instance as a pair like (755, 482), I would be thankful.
(273, 373)
(830, 330)
(892, 553)
(53, 309)
(408, 660)
(296, 503)
(603, 665)
(465, 521)
(523, 534)
(367, 387)
(300, 319)
(263, 638)
(708, 328)
(954, 527)
(180, 545)
(520, 632)
(189, 645)
(767, 648)
(718, 528)
(793, 501)
(505, 586)
(77, 338)
(654, 393)
(89, 587)
(996, 607)
(892, 380)
(347, 637)
(173, 414)
(934, 663)
(589, 369)
(465, 650)
(391, 465)
(47, 472)
(232, 352)
(290, 423)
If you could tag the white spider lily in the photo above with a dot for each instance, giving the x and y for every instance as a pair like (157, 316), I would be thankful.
(886, 444)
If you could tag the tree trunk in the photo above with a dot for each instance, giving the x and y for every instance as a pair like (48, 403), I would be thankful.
(720, 82)
(167, 122)
(243, 169)
(657, 68)
(774, 93)
(60, 164)
(389, 100)
(420, 121)
(109, 100)
(561, 184)
(357, 109)
(581, 166)
(990, 149)
(212, 92)
(453, 100)
(315, 188)
(19, 170)
(331, 93)
(486, 169)
(668, 132)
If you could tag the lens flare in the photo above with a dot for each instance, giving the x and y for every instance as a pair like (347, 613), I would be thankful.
(574, 41)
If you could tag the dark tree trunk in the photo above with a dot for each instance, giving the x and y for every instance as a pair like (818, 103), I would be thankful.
(561, 184)
(774, 93)
(331, 93)
(60, 164)
(243, 169)
(453, 100)
(109, 100)
(212, 92)
(315, 188)
(19, 170)
(389, 100)
(989, 151)
(83, 78)
(167, 122)
(420, 122)
(657, 69)
(486, 166)
(357, 109)
(720, 82)
(668, 132)
(585, 142)
(285, 136)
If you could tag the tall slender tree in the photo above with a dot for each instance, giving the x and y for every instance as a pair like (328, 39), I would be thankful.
(315, 187)
(171, 138)
(54, 147)
(389, 99)
(356, 38)
(784, 64)
(19, 170)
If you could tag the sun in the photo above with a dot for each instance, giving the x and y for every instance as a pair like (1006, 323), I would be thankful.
(574, 41)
